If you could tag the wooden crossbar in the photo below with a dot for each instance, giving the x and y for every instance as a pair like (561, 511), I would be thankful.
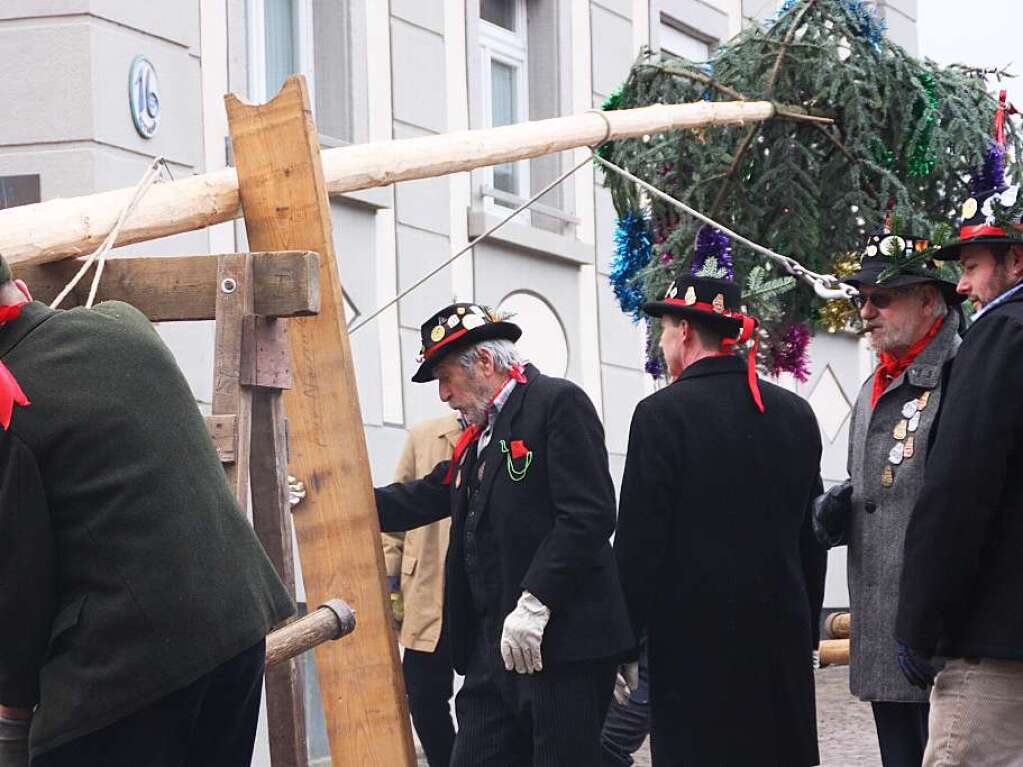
(174, 288)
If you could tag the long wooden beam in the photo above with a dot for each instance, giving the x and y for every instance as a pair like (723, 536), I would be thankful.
(172, 288)
(286, 205)
(57, 229)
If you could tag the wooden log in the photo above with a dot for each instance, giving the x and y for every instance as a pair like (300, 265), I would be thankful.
(57, 229)
(332, 621)
(172, 288)
(286, 205)
(834, 652)
(837, 625)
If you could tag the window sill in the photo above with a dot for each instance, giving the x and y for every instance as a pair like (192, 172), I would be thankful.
(539, 242)
(374, 198)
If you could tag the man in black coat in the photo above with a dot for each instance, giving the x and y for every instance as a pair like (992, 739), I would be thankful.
(134, 595)
(961, 594)
(716, 548)
(533, 605)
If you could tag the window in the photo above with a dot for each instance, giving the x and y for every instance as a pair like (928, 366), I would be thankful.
(311, 37)
(18, 190)
(679, 41)
(506, 95)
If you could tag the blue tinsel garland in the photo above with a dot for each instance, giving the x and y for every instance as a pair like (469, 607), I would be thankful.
(870, 26)
(633, 250)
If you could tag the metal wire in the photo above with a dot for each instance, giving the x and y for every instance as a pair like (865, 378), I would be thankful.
(470, 246)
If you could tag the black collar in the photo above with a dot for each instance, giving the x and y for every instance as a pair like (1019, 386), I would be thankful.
(712, 366)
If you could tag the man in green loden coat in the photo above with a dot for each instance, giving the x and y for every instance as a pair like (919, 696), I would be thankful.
(135, 596)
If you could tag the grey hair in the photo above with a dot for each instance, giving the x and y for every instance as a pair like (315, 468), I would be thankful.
(504, 353)
(939, 305)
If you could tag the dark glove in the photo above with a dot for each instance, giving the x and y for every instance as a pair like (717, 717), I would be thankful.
(14, 742)
(831, 515)
(915, 667)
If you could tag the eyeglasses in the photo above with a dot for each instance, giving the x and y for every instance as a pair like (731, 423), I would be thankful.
(879, 300)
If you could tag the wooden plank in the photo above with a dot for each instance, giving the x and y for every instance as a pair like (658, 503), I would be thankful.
(223, 431)
(285, 201)
(271, 518)
(170, 288)
(234, 312)
(57, 229)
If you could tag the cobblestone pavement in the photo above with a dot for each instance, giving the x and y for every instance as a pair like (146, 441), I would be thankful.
(844, 724)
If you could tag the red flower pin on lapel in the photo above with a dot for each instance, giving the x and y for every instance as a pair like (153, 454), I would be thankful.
(517, 451)
(10, 395)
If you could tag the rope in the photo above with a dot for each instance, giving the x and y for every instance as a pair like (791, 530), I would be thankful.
(827, 286)
(100, 254)
(471, 245)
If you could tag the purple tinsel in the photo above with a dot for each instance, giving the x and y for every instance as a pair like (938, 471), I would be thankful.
(653, 364)
(788, 354)
(992, 175)
(711, 241)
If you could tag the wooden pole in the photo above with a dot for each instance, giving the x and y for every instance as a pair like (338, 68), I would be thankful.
(332, 621)
(834, 652)
(837, 625)
(277, 150)
(58, 229)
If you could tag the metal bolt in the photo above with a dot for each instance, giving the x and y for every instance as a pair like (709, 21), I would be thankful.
(229, 285)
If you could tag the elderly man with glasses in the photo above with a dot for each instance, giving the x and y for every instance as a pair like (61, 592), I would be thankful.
(911, 316)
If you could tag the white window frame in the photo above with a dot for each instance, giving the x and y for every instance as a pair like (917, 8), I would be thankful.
(685, 29)
(302, 35)
(509, 48)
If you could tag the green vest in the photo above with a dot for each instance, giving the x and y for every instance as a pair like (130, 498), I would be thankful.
(127, 568)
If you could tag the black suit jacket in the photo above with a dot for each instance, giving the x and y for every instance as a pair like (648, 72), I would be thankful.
(551, 528)
(127, 570)
(961, 593)
(720, 566)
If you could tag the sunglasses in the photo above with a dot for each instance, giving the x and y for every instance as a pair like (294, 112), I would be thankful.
(879, 300)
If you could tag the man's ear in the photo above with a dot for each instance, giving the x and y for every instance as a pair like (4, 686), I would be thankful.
(20, 285)
(1014, 262)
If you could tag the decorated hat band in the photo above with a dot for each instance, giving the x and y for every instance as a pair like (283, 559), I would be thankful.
(747, 330)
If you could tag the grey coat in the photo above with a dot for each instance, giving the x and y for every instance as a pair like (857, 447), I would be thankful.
(880, 515)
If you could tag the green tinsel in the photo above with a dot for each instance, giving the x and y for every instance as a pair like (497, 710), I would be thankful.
(923, 158)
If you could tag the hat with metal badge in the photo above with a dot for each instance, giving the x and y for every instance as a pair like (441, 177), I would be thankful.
(893, 260)
(455, 327)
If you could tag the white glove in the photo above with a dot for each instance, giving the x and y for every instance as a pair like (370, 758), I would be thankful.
(627, 682)
(14, 742)
(523, 634)
(816, 660)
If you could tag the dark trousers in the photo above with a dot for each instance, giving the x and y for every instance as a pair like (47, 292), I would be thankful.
(551, 718)
(429, 678)
(209, 723)
(627, 726)
(901, 732)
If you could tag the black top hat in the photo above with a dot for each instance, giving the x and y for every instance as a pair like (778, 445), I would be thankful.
(893, 260)
(986, 219)
(455, 327)
(710, 299)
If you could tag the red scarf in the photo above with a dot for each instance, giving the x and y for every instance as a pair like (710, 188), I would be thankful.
(473, 432)
(892, 367)
(10, 392)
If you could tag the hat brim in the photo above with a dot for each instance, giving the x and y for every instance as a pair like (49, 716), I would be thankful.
(486, 332)
(727, 325)
(953, 250)
(869, 275)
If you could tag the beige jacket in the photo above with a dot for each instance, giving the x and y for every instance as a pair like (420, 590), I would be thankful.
(418, 555)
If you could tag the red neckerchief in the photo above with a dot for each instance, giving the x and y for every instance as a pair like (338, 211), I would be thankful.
(892, 367)
(10, 392)
(473, 431)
